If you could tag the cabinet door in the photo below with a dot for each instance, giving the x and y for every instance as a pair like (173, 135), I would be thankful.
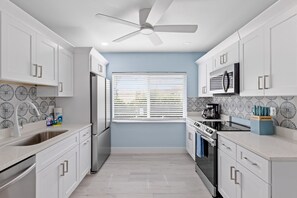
(203, 79)
(17, 51)
(189, 143)
(281, 68)
(250, 185)
(71, 177)
(46, 55)
(65, 73)
(97, 67)
(226, 174)
(85, 158)
(48, 181)
(252, 64)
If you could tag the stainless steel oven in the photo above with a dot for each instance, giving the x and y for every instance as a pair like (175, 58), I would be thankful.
(19, 180)
(206, 165)
(206, 161)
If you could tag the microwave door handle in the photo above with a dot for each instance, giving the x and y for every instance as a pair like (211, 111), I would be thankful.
(225, 87)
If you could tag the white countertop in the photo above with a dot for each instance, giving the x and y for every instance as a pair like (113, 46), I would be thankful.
(270, 147)
(10, 155)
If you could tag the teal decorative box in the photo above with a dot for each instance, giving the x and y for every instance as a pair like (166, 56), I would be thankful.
(262, 125)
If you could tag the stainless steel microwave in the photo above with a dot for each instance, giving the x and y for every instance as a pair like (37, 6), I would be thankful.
(225, 80)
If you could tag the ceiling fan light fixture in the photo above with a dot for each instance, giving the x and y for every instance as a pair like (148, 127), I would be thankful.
(104, 44)
(147, 30)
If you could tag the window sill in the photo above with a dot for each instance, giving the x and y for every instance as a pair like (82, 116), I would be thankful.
(149, 121)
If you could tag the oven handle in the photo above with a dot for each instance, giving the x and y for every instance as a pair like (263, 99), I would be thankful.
(209, 140)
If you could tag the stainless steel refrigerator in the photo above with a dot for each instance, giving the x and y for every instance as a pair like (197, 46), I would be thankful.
(100, 118)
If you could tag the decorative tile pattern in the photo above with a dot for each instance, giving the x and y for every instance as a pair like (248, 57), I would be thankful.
(197, 104)
(242, 107)
(11, 95)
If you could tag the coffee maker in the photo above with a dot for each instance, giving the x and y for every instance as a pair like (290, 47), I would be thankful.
(212, 111)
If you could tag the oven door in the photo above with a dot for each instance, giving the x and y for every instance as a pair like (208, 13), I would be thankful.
(206, 165)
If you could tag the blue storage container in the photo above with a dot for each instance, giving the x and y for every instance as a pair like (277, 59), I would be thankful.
(262, 125)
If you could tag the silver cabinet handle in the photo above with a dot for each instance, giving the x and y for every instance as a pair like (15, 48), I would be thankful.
(86, 142)
(259, 81)
(40, 75)
(63, 169)
(265, 76)
(221, 59)
(35, 65)
(66, 162)
(253, 163)
(18, 177)
(226, 58)
(61, 86)
(235, 179)
(231, 172)
(100, 68)
(227, 147)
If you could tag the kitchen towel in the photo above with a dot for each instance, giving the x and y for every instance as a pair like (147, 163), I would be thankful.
(199, 146)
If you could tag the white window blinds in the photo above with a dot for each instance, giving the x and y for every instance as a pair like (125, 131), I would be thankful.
(151, 96)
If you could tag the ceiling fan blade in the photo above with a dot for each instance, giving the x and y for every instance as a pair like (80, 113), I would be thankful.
(158, 10)
(126, 36)
(143, 14)
(176, 28)
(155, 39)
(118, 20)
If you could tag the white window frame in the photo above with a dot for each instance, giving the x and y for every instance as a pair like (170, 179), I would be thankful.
(149, 120)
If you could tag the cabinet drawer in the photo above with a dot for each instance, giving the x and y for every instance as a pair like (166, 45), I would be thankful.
(84, 134)
(256, 164)
(227, 147)
(49, 155)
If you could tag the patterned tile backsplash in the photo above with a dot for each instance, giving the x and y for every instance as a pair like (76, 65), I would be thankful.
(241, 107)
(11, 95)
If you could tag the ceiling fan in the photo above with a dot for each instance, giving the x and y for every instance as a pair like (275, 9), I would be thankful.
(148, 17)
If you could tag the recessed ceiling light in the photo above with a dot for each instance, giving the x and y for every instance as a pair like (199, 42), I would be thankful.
(104, 43)
(187, 43)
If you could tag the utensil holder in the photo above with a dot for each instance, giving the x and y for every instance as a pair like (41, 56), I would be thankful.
(262, 125)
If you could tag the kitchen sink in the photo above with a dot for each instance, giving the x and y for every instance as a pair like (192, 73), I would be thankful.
(38, 138)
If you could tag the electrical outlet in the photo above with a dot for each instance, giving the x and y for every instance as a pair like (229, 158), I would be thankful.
(50, 110)
(272, 111)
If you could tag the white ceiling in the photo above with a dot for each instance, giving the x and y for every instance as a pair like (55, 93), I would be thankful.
(75, 21)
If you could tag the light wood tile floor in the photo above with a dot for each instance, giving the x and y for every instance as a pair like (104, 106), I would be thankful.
(144, 176)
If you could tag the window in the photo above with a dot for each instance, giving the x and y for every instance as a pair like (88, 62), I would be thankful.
(149, 96)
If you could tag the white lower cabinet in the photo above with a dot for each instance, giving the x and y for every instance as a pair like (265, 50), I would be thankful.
(237, 181)
(85, 158)
(249, 185)
(226, 170)
(61, 167)
(60, 178)
(190, 138)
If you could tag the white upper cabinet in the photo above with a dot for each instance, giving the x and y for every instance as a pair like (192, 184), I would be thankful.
(18, 60)
(65, 73)
(228, 56)
(46, 55)
(252, 63)
(27, 56)
(203, 79)
(281, 68)
(269, 58)
(97, 66)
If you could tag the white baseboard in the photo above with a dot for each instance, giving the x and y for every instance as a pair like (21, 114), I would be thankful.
(148, 150)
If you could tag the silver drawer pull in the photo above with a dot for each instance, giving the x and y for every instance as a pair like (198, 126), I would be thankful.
(231, 172)
(86, 142)
(227, 147)
(253, 163)
(63, 169)
(235, 180)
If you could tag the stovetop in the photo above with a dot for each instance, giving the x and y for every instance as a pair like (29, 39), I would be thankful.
(225, 126)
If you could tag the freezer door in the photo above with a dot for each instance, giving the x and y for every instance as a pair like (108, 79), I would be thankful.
(98, 104)
(107, 103)
(100, 149)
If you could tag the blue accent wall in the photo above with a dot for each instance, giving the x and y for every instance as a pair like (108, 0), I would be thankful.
(152, 134)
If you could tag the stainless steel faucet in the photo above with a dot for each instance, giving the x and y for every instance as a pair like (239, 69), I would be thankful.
(16, 132)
